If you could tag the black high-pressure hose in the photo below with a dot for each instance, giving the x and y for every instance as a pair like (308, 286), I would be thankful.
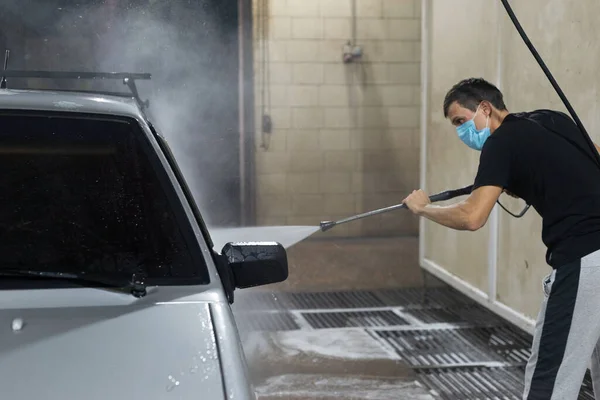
(562, 96)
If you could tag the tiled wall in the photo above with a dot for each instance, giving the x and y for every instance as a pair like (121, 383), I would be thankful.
(345, 136)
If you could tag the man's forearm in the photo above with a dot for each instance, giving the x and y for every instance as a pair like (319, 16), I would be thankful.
(455, 216)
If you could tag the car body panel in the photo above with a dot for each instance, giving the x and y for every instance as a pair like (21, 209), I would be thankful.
(177, 342)
(137, 349)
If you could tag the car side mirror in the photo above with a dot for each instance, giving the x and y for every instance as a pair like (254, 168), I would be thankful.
(256, 263)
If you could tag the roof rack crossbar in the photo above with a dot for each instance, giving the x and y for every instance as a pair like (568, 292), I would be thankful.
(74, 75)
(3, 80)
(97, 92)
(127, 77)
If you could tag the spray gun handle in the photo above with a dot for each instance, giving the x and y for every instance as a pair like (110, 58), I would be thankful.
(450, 194)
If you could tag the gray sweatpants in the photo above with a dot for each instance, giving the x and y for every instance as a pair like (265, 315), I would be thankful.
(567, 333)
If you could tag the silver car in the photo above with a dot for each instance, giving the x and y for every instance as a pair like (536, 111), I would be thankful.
(109, 284)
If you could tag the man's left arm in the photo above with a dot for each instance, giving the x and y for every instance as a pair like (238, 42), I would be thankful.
(468, 215)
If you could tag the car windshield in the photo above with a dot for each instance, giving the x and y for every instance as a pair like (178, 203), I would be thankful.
(87, 195)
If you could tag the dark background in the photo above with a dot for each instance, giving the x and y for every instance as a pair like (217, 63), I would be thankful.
(192, 50)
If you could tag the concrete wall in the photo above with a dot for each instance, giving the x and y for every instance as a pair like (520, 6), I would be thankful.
(483, 42)
(354, 264)
(345, 137)
(455, 52)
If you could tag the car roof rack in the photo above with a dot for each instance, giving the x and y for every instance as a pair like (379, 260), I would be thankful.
(129, 79)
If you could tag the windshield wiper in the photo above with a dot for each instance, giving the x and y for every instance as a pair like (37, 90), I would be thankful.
(137, 283)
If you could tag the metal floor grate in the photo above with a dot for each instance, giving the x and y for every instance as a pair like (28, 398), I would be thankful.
(329, 300)
(587, 390)
(324, 320)
(482, 360)
(474, 383)
(438, 297)
(437, 347)
(269, 322)
(409, 297)
(507, 342)
(482, 383)
(472, 314)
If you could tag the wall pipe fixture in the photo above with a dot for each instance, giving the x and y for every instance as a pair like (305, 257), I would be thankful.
(493, 220)
(350, 51)
(425, 39)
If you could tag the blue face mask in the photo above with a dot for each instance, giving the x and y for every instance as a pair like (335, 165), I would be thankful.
(471, 136)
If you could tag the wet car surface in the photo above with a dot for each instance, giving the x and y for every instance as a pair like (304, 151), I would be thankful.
(110, 286)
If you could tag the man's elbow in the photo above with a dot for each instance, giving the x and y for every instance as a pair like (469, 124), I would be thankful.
(474, 223)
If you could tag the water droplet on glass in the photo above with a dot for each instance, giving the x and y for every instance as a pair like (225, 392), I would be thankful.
(173, 384)
(17, 324)
(194, 369)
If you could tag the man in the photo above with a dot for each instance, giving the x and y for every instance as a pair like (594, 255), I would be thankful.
(543, 158)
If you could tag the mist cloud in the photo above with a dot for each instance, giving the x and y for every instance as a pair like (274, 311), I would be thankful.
(182, 44)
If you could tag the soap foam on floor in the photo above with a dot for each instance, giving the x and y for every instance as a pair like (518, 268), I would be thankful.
(312, 386)
(335, 344)
(287, 236)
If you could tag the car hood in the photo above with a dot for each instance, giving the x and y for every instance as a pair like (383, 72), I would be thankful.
(131, 349)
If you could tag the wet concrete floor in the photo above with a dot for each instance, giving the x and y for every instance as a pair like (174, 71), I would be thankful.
(409, 343)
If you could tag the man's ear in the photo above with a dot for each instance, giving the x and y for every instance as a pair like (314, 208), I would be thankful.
(486, 107)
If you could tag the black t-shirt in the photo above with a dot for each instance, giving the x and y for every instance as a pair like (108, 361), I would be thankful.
(542, 157)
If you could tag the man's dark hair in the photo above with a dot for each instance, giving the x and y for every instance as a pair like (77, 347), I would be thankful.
(470, 92)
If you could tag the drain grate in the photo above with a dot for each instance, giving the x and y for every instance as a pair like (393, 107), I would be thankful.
(483, 360)
(415, 297)
(473, 314)
(270, 322)
(357, 319)
(482, 383)
(512, 345)
(472, 383)
(587, 390)
(329, 300)
(437, 347)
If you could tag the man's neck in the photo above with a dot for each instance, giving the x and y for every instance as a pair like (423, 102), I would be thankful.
(497, 119)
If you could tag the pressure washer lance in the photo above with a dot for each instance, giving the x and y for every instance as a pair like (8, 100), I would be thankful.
(447, 195)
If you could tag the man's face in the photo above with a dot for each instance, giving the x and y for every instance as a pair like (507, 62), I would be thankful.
(458, 115)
